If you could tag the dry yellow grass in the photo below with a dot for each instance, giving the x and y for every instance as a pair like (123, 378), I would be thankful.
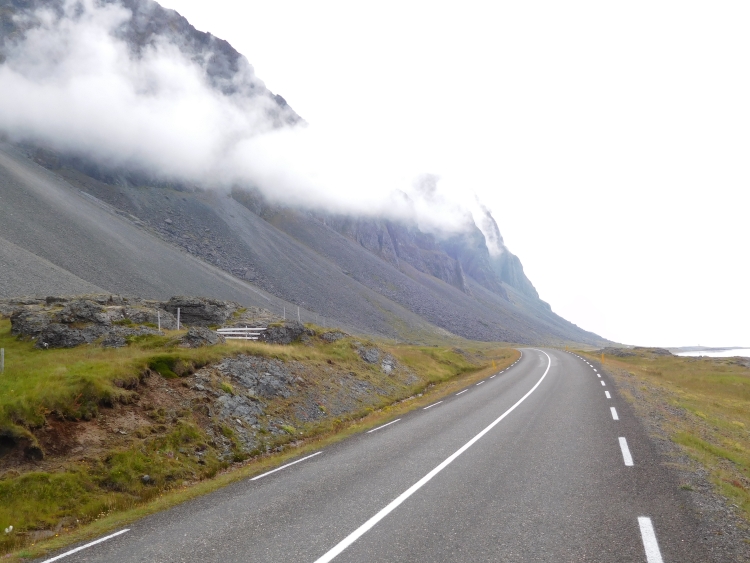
(704, 406)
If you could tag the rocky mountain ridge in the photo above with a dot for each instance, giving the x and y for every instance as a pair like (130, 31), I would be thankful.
(78, 221)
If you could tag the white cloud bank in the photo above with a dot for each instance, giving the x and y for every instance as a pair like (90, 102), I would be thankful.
(72, 84)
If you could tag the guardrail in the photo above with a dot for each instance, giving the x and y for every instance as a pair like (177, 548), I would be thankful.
(239, 333)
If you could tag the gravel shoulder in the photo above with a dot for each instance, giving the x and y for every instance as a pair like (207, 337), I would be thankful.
(722, 527)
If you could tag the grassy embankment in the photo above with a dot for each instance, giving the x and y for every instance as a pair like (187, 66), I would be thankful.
(703, 405)
(80, 498)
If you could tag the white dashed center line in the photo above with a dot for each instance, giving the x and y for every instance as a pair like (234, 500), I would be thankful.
(603, 384)
(598, 375)
(614, 413)
(395, 503)
(387, 424)
(480, 382)
(432, 405)
(653, 555)
(626, 457)
(493, 376)
(464, 391)
(608, 395)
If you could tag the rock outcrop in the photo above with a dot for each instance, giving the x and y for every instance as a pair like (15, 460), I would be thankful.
(286, 333)
(198, 336)
(66, 322)
(202, 311)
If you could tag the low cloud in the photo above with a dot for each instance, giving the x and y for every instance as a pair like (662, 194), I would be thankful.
(71, 83)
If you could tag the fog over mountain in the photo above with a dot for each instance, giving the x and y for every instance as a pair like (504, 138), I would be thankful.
(134, 86)
(170, 128)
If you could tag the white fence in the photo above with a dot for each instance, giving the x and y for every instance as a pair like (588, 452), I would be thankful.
(239, 333)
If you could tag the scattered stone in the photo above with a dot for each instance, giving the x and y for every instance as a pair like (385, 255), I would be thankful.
(333, 336)
(370, 355)
(388, 365)
(146, 479)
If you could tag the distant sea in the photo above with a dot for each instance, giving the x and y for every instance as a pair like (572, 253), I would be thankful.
(729, 353)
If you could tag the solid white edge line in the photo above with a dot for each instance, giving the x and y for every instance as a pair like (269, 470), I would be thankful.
(432, 405)
(653, 555)
(464, 391)
(284, 466)
(359, 532)
(384, 425)
(614, 413)
(608, 395)
(626, 457)
(77, 549)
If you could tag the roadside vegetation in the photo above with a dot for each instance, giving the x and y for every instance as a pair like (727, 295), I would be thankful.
(53, 490)
(703, 405)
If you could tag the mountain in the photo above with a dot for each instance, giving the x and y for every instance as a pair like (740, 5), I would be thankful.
(71, 222)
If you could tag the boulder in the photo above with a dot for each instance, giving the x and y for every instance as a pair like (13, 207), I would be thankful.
(57, 335)
(150, 315)
(201, 311)
(86, 311)
(333, 336)
(200, 336)
(370, 355)
(289, 332)
(29, 321)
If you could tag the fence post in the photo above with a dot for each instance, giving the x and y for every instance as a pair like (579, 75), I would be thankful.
(178, 318)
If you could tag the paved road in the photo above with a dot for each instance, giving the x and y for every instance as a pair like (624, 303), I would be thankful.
(546, 481)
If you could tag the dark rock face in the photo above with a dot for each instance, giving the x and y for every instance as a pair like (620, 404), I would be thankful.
(289, 332)
(199, 336)
(396, 243)
(201, 311)
(263, 377)
(237, 406)
(226, 70)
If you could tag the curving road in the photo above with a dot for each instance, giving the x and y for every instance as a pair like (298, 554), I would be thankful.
(541, 462)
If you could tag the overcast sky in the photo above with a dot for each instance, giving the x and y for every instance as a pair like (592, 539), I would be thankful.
(610, 140)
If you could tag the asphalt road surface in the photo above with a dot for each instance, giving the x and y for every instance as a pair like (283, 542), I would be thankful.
(541, 462)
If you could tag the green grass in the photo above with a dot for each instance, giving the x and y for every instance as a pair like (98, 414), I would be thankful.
(713, 395)
(79, 499)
